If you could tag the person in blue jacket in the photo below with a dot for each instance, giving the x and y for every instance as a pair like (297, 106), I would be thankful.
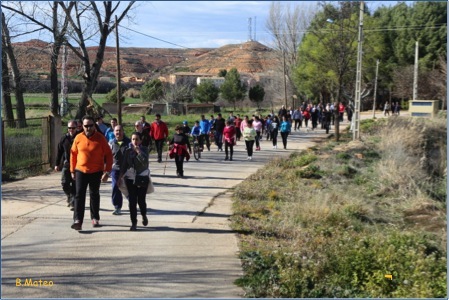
(285, 129)
(205, 130)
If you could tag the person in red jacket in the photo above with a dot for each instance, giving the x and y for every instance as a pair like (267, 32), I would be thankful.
(341, 111)
(229, 138)
(159, 133)
(90, 163)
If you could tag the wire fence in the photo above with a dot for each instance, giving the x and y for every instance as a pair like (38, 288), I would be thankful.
(25, 150)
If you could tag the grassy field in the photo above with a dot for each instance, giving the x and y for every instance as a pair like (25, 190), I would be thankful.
(332, 221)
(39, 106)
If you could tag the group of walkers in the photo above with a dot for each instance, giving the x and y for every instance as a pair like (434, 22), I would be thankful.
(91, 152)
(395, 108)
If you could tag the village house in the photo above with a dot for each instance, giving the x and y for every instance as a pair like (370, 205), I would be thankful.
(217, 81)
(186, 77)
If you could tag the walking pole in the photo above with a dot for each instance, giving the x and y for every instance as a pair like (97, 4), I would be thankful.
(166, 158)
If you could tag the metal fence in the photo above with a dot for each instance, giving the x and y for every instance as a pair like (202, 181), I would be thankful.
(25, 151)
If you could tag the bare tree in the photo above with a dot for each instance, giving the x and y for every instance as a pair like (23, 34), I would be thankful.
(84, 14)
(177, 93)
(287, 25)
(8, 113)
(47, 18)
(17, 83)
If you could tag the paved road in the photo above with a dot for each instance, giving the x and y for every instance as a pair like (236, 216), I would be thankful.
(187, 251)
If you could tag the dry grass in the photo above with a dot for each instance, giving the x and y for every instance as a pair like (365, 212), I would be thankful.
(326, 204)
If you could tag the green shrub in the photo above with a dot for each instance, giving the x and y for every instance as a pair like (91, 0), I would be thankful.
(111, 97)
(343, 156)
(311, 172)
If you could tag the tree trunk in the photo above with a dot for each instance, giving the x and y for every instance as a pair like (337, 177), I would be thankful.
(54, 102)
(8, 113)
(17, 85)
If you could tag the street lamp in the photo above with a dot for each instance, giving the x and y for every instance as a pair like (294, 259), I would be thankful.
(356, 118)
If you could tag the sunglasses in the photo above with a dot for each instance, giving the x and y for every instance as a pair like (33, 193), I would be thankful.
(88, 126)
(71, 127)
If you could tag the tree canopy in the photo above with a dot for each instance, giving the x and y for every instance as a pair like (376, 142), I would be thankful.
(206, 92)
(327, 54)
(233, 89)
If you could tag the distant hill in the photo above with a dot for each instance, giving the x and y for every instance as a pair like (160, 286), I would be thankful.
(251, 57)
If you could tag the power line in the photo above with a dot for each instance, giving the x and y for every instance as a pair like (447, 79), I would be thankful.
(161, 40)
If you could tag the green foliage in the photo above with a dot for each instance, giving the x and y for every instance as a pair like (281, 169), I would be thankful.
(343, 156)
(302, 160)
(256, 94)
(328, 51)
(206, 92)
(111, 97)
(311, 171)
(233, 89)
(152, 90)
(222, 73)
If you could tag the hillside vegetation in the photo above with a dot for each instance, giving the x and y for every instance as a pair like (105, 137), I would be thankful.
(332, 221)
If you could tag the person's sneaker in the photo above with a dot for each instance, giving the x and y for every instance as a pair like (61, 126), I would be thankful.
(275, 147)
(230, 159)
(226, 158)
(77, 225)
(133, 228)
(250, 158)
(144, 220)
(95, 223)
(117, 212)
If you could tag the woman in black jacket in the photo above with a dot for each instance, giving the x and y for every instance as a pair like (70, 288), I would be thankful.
(135, 163)
(179, 143)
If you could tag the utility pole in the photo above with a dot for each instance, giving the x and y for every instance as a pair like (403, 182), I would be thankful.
(119, 90)
(375, 90)
(285, 80)
(356, 132)
(415, 74)
(64, 88)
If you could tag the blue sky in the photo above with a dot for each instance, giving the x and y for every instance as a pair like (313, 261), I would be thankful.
(196, 24)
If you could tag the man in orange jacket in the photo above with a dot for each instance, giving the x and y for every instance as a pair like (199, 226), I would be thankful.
(90, 162)
(159, 133)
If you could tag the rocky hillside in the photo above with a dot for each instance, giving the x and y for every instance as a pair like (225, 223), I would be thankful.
(250, 57)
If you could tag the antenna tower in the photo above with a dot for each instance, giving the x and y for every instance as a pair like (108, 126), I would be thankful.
(255, 17)
(249, 29)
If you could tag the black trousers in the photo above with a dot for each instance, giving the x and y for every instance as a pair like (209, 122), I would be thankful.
(274, 135)
(249, 147)
(284, 136)
(179, 160)
(231, 148)
(136, 196)
(258, 135)
(82, 180)
(159, 146)
(68, 184)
